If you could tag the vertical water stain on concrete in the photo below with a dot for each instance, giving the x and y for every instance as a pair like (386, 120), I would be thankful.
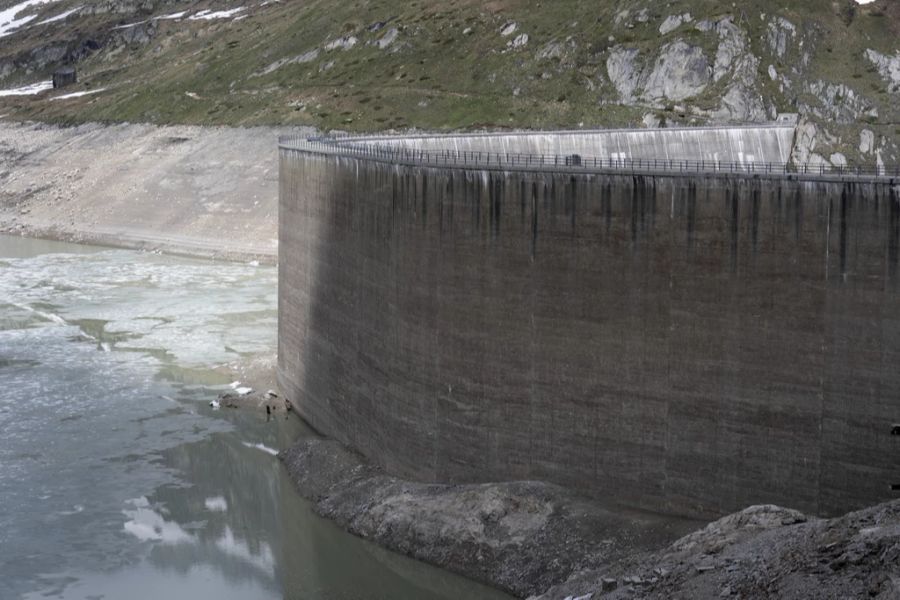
(692, 345)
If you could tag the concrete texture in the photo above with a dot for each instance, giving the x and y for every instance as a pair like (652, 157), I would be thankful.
(193, 190)
(686, 345)
(742, 145)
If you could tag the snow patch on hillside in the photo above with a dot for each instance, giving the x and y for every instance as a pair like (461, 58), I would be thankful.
(28, 90)
(9, 22)
(78, 94)
(60, 16)
(208, 15)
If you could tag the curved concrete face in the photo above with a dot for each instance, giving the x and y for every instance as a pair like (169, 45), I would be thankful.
(685, 345)
(741, 145)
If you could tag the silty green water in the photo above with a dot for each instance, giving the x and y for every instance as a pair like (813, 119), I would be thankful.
(118, 480)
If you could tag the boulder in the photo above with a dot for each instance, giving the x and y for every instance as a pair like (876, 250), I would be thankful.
(838, 159)
(651, 121)
(780, 34)
(388, 38)
(520, 41)
(740, 104)
(624, 71)
(866, 141)
(681, 71)
(888, 67)
(509, 28)
(673, 22)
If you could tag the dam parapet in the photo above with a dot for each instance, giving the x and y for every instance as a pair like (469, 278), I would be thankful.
(755, 151)
(689, 342)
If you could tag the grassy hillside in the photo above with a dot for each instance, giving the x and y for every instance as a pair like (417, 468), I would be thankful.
(439, 65)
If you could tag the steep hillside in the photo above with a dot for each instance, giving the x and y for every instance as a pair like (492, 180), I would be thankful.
(385, 64)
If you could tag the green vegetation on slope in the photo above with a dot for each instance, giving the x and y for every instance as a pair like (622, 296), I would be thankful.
(449, 66)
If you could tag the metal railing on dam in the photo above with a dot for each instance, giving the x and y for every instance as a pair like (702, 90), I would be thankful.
(373, 149)
(692, 343)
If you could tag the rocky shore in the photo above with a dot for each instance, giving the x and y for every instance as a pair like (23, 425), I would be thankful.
(759, 553)
(540, 541)
(522, 537)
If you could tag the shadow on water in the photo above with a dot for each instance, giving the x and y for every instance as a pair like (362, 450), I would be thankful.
(117, 478)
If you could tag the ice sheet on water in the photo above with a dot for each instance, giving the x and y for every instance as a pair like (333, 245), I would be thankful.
(200, 313)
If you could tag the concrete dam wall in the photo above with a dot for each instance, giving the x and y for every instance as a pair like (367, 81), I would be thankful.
(685, 344)
(761, 144)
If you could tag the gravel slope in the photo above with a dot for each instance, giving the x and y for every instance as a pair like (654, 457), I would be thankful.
(759, 553)
(204, 191)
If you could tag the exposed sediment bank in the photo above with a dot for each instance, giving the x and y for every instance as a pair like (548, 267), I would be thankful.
(521, 536)
(539, 540)
(199, 191)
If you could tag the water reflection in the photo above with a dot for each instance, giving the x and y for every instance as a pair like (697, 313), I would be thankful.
(117, 478)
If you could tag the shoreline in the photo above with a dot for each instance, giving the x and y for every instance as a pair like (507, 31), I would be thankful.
(206, 192)
(186, 248)
(522, 537)
(543, 542)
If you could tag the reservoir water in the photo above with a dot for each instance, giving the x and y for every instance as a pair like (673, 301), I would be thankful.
(118, 480)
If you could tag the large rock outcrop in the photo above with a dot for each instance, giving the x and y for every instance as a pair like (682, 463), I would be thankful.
(681, 71)
(888, 67)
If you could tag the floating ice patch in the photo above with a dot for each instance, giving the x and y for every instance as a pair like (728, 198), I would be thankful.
(77, 509)
(147, 525)
(28, 90)
(8, 21)
(262, 447)
(60, 16)
(78, 94)
(206, 15)
(260, 556)
(216, 504)
(238, 389)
